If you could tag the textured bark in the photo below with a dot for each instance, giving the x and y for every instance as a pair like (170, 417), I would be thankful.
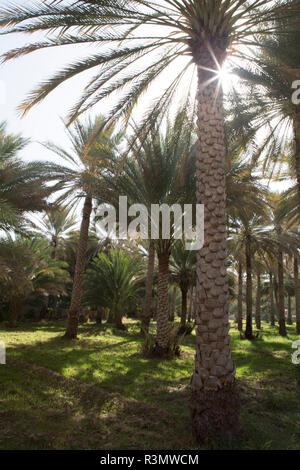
(240, 298)
(74, 311)
(281, 313)
(271, 300)
(184, 292)
(173, 306)
(297, 292)
(258, 303)
(249, 306)
(214, 399)
(162, 320)
(146, 317)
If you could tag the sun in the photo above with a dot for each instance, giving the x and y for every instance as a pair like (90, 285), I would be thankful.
(225, 76)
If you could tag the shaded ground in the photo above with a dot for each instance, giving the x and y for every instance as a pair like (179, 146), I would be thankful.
(99, 393)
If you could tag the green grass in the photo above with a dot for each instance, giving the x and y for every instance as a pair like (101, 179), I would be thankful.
(99, 393)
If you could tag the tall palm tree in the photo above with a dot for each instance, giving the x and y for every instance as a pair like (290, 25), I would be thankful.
(56, 225)
(270, 78)
(93, 148)
(160, 170)
(23, 186)
(184, 33)
(182, 270)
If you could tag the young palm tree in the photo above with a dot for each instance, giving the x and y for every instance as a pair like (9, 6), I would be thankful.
(93, 150)
(117, 273)
(26, 267)
(184, 33)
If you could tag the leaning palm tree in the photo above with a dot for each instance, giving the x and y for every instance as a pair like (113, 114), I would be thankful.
(148, 38)
(93, 149)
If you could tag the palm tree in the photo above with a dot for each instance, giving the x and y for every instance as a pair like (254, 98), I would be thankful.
(182, 270)
(161, 171)
(117, 273)
(26, 267)
(270, 78)
(56, 225)
(146, 315)
(23, 186)
(93, 149)
(184, 33)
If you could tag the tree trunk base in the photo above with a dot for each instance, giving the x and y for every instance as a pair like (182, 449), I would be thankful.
(161, 352)
(72, 326)
(249, 335)
(215, 415)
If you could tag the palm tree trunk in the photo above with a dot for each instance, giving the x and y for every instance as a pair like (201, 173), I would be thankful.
(191, 304)
(271, 296)
(297, 154)
(240, 298)
(281, 312)
(297, 292)
(13, 312)
(149, 287)
(214, 399)
(173, 306)
(184, 293)
(163, 331)
(289, 317)
(74, 311)
(258, 302)
(249, 330)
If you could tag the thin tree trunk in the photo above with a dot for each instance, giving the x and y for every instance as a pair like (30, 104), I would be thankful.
(281, 313)
(146, 317)
(289, 317)
(249, 305)
(258, 303)
(162, 320)
(184, 293)
(74, 311)
(297, 154)
(214, 399)
(240, 298)
(173, 306)
(297, 292)
(271, 299)
(191, 304)
(13, 312)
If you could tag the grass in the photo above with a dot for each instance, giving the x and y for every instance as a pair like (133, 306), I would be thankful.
(99, 393)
